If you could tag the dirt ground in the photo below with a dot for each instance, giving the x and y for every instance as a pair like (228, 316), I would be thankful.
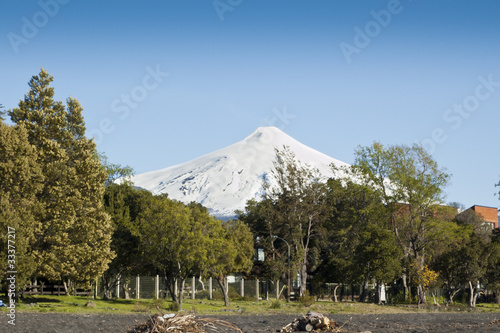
(411, 322)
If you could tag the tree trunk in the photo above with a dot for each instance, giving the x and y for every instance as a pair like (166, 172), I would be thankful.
(303, 278)
(405, 285)
(126, 293)
(453, 294)
(181, 292)
(172, 288)
(473, 295)
(364, 292)
(202, 283)
(335, 293)
(421, 295)
(223, 286)
(68, 287)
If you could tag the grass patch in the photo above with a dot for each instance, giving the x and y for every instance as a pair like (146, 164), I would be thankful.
(76, 304)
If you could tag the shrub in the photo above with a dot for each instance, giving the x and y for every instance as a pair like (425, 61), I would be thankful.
(306, 300)
(174, 307)
(275, 304)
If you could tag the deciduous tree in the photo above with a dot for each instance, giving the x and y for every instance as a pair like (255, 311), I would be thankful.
(411, 184)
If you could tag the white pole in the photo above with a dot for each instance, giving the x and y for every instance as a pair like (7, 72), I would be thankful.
(137, 287)
(210, 288)
(257, 293)
(157, 286)
(193, 288)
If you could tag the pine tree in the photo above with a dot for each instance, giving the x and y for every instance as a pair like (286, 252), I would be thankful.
(73, 241)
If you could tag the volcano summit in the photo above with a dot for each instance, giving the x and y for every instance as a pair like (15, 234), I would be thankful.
(224, 180)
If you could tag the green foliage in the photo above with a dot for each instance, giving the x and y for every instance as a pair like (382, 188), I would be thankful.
(174, 307)
(123, 203)
(292, 209)
(115, 171)
(20, 183)
(275, 305)
(306, 300)
(71, 237)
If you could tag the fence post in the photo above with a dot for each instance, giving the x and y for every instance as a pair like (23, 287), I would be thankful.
(193, 288)
(118, 288)
(210, 288)
(277, 289)
(242, 282)
(157, 286)
(96, 291)
(137, 287)
(257, 292)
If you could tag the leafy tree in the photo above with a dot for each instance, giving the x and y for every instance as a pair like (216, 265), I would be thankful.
(175, 240)
(232, 252)
(473, 261)
(477, 222)
(20, 183)
(123, 203)
(493, 268)
(115, 171)
(72, 242)
(2, 113)
(411, 184)
(359, 246)
(294, 208)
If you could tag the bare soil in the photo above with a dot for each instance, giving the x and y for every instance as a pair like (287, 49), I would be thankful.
(402, 322)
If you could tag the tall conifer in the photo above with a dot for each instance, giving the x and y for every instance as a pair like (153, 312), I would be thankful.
(73, 243)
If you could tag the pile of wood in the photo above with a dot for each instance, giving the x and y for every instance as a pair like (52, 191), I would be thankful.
(312, 322)
(184, 323)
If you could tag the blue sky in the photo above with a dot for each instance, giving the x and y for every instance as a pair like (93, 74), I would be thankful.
(200, 75)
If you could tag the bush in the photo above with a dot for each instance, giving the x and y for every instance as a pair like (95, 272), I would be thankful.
(306, 300)
(174, 307)
(203, 294)
(275, 305)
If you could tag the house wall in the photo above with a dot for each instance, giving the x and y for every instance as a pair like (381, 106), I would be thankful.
(489, 214)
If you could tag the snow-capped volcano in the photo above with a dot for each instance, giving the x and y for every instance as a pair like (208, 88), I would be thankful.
(224, 180)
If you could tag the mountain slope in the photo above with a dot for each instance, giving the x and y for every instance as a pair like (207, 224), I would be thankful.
(224, 180)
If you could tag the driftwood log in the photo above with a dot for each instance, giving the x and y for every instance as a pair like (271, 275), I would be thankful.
(312, 322)
(160, 323)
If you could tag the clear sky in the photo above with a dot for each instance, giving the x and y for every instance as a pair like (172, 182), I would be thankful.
(163, 82)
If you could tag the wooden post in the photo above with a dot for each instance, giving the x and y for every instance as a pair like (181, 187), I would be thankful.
(277, 289)
(157, 286)
(210, 288)
(96, 291)
(242, 283)
(193, 288)
(137, 287)
(257, 293)
(176, 291)
(118, 289)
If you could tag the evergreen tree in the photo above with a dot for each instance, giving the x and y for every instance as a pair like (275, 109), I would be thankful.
(20, 183)
(73, 241)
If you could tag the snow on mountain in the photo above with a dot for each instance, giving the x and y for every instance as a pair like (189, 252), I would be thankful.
(224, 180)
